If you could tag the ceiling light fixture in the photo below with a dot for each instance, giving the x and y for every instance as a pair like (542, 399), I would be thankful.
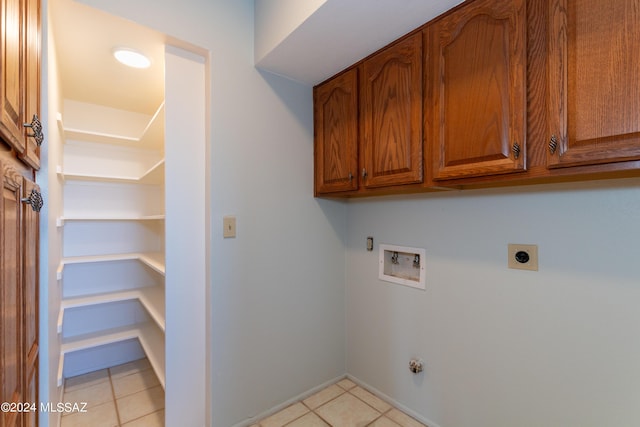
(131, 57)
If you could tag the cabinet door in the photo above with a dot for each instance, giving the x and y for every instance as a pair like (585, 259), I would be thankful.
(11, 74)
(11, 331)
(30, 298)
(336, 134)
(391, 115)
(478, 97)
(594, 83)
(32, 43)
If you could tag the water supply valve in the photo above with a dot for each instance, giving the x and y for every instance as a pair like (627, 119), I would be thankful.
(416, 366)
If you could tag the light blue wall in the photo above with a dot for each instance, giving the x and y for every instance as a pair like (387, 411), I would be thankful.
(503, 348)
(277, 290)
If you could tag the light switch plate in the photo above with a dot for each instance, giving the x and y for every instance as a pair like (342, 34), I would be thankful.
(229, 226)
(523, 257)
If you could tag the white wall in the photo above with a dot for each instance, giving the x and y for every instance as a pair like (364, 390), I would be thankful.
(186, 227)
(276, 19)
(503, 348)
(277, 290)
(50, 235)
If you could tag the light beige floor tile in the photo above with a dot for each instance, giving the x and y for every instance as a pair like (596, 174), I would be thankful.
(309, 420)
(347, 411)
(92, 395)
(370, 399)
(152, 420)
(138, 381)
(323, 396)
(384, 422)
(103, 415)
(86, 380)
(403, 419)
(141, 403)
(346, 384)
(285, 416)
(130, 368)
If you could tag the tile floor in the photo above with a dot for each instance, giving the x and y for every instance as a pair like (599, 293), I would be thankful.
(128, 395)
(343, 404)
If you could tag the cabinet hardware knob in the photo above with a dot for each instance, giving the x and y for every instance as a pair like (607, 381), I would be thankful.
(350, 177)
(36, 126)
(364, 173)
(34, 199)
(553, 144)
(516, 150)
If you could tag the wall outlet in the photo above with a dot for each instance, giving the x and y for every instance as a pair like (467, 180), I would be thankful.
(523, 257)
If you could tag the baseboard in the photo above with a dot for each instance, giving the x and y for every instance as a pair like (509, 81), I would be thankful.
(275, 409)
(393, 402)
(250, 421)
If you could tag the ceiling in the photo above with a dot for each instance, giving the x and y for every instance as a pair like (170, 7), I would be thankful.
(341, 32)
(84, 39)
(338, 34)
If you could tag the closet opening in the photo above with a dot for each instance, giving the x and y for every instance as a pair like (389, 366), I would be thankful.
(130, 163)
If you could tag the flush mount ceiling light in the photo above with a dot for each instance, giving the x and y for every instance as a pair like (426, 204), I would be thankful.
(131, 57)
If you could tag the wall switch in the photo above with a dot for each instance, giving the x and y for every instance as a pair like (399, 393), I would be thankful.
(523, 257)
(229, 226)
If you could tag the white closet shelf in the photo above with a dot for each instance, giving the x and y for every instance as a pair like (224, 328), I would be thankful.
(154, 175)
(62, 219)
(151, 135)
(155, 260)
(151, 298)
(150, 337)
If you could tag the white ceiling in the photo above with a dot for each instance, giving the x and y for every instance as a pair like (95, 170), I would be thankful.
(338, 34)
(341, 32)
(84, 39)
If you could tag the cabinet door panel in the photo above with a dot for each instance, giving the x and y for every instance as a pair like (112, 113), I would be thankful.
(392, 115)
(11, 75)
(336, 134)
(30, 239)
(32, 36)
(594, 81)
(479, 95)
(11, 357)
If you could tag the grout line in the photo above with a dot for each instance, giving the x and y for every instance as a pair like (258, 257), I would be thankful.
(113, 394)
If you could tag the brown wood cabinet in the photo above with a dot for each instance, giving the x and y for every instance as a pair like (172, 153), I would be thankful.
(368, 122)
(19, 223)
(477, 73)
(18, 295)
(336, 134)
(32, 55)
(391, 115)
(20, 78)
(30, 300)
(594, 82)
(514, 92)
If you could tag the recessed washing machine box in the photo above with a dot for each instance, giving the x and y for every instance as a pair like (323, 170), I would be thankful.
(402, 265)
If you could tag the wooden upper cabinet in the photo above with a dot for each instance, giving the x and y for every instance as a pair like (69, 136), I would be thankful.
(391, 115)
(12, 85)
(336, 134)
(594, 82)
(477, 102)
(31, 155)
(20, 40)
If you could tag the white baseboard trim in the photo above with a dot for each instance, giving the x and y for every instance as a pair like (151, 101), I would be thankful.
(252, 420)
(393, 402)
